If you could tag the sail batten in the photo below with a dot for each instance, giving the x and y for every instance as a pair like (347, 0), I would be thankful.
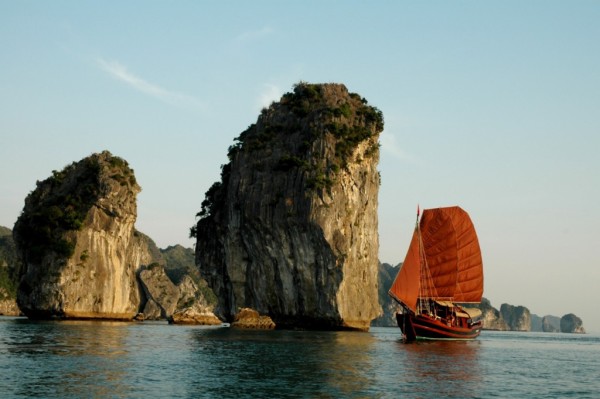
(444, 242)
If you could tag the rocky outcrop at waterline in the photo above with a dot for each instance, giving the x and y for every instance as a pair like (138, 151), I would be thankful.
(77, 241)
(250, 319)
(291, 229)
(188, 302)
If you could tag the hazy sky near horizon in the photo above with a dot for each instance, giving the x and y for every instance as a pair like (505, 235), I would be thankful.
(493, 106)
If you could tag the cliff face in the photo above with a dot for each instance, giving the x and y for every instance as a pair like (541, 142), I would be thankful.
(78, 244)
(291, 229)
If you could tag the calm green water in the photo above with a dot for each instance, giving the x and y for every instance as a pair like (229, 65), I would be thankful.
(131, 360)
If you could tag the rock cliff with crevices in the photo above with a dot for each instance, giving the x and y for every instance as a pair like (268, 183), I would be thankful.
(290, 231)
(77, 241)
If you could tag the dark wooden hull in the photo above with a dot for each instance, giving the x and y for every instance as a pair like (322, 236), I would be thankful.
(424, 327)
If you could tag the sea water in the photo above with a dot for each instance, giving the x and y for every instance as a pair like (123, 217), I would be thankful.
(85, 359)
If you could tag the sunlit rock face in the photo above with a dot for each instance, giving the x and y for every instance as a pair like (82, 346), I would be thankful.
(491, 317)
(290, 231)
(78, 244)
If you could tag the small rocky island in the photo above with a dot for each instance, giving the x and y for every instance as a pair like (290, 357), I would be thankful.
(81, 256)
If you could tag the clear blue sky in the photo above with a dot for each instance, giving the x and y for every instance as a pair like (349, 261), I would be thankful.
(493, 106)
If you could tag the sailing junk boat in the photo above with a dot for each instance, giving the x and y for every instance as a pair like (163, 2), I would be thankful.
(442, 269)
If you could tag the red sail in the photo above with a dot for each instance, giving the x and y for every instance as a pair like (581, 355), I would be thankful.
(453, 259)
(405, 288)
(453, 254)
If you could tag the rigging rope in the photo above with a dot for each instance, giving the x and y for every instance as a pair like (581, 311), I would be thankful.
(427, 289)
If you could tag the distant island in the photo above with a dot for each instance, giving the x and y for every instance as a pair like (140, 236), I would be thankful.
(507, 318)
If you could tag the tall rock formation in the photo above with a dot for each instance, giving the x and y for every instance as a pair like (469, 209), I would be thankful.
(291, 229)
(78, 244)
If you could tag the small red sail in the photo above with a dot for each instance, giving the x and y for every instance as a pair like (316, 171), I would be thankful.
(406, 286)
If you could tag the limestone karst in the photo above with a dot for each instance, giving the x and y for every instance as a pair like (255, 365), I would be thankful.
(290, 231)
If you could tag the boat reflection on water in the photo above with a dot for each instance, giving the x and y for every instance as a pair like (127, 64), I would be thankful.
(451, 368)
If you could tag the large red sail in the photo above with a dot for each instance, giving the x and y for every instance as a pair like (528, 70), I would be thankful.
(469, 281)
(453, 258)
(453, 254)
